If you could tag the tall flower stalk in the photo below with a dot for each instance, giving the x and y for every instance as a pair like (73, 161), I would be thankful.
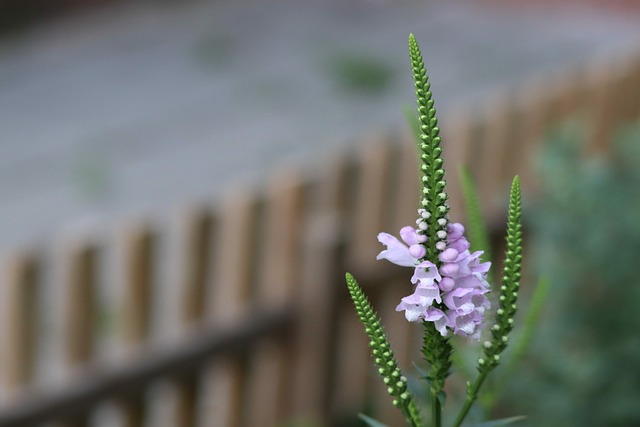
(449, 281)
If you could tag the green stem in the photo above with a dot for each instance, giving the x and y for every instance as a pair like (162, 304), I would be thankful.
(436, 409)
(472, 394)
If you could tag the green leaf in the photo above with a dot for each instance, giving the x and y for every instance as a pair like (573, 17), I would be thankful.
(370, 421)
(533, 316)
(501, 422)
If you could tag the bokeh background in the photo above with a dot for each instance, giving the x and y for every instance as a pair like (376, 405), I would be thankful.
(130, 129)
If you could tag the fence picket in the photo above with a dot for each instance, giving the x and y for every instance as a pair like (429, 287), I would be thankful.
(276, 279)
(371, 208)
(531, 105)
(20, 322)
(372, 213)
(230, 298)
(137, 307)
(320, 282)
(459, 134)
(80, 312)
(496, 138)
(200, 227)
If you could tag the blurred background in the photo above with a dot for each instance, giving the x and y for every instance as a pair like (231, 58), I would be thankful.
(183, 185)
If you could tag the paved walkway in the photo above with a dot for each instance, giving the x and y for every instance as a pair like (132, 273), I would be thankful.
(142, 108)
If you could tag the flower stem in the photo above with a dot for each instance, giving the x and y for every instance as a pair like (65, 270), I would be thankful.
(472, 394)
(436, 409)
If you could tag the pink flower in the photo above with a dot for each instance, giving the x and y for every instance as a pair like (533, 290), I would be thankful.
(452, 296)
(464, 284)
(419, 303)
(398, 253)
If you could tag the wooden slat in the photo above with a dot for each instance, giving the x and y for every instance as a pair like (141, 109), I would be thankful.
(81, 308)
(353, 370)
(566, 95)
(231, 296)
(275, 285)
(459, 133)
(371, 205)
(80, 315)
(407, 189)
(188, 397)
(138, 302)
(497, 136)
(138, 286)
(198, 252)
(321, 284)
(531, 104)
(283, 222)
(19, 322)
(602, 106)
(625, 93)
(633, 91)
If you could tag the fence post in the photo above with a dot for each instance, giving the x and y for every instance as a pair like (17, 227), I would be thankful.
(139, 256)
(200, 226)
(278, 271)
(80, 311)
(371, 208)
(20, 322)
(317, 295)
(230, 295)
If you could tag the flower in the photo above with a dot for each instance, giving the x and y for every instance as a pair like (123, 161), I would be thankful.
(417, 305)
(453, 295)
(400, 254)
(464, 284)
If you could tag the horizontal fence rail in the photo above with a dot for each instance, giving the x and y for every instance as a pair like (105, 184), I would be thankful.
(137, 374)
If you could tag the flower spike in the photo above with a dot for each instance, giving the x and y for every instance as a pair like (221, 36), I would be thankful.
(381, 351)
(510, 284)
(433, 198)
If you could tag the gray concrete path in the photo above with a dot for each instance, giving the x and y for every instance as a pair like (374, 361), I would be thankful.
(142, 108)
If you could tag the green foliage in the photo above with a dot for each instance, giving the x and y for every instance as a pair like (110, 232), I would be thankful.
(362, 74)
(371, 422)
(587, 234)
(523, 340)
(383, 355)
(502, 422)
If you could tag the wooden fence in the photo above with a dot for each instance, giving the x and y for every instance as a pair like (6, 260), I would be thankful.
(239, 315)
